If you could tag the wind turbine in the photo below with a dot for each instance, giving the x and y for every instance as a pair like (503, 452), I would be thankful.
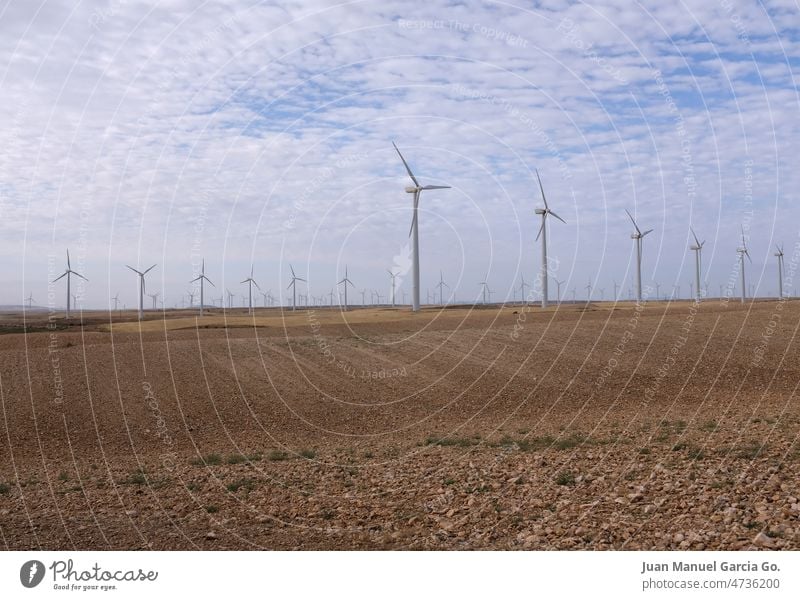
(638, 236)
(441, 285)
(589, 291)
(742, 253)
(154, 298)
(30, 300)
(67, 273)
(543, 234)
(615, 290)
(698, 250)
(250, 283)
(141, 288)
(116, 301)
(363, 294)
(201, 278)
(393, 276)
(403, 292)
(416, 189)
(346, 282)
(485, 287)
(293, 285)
(522, 287)
(191, 295)
(230, 298)
(558, 292)
(779, 254)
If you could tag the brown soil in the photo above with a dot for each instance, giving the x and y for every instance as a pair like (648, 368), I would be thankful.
(579, 427)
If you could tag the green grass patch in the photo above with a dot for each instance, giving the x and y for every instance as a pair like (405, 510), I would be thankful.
(246, 483)
(236, 459)
(309, 454)
(137, 477)
(710, 426)
(565, 478)
(212, 509)
(208, 459)
(5, 488)
(276, 455)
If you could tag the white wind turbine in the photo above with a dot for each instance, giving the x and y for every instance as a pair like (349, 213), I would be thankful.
(779, 254)
(485, 289)
(441, 285)
(543, 234)
(201, 278)
(558, 292)
(116, 301)
(154, 298)
(345, 282)
(742, 253)
(141, 288)
(416, 189)
(30, 300)
(67, 273)
(698, 250)
(522, 287)
(393, 276)
(293, 285)
(637, 236)
(250, 283)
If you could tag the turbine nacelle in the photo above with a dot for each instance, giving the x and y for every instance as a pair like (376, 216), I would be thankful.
(412, 190)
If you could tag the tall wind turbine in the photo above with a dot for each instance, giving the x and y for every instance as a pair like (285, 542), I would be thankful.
(637, 236)
(230, 297)
(416, 189)
(201, 278)
(250, 283)
(345, 282)
(141, 288)
(698, 249)
(393, 276)
(779, 254)
(543, 234)
(742, 253)
(68, 273)
(154, 298)
(485, 289)
(116, 301)
(558, 292)
(293, 285)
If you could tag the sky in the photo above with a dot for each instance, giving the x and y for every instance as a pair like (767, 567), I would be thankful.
(260, 134)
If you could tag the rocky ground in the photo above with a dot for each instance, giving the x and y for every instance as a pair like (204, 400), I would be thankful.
(576, 428)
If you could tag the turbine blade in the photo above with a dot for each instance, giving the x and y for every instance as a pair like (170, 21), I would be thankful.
(153, 267)
(408, 169)
(541, 227)
(209, 281)
(256, 284)
(557, 217)
(59, 277)
(436, 187)
(79, 275)
(196, 278)
(748, 255)
(541, 189)
(301, 279)
(292, 268)
(696, 241)
(134, 270)
(646, 232)
(634, 222)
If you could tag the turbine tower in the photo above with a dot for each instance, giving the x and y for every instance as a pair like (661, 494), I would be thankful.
(141, 288)
(230, 298)
(637, 237)
(250, 283)
(779, 254)
(201, 278)
(416, 189)
(345, 282)
(485, 288)
(522, 287)
(293, 285)
(742, 253)
(154, 298)
(543, 234)
(698, 250)
(68, 273)
(558, 292)
(116, 301)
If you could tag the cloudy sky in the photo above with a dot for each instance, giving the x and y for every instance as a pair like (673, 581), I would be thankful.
(248, 132)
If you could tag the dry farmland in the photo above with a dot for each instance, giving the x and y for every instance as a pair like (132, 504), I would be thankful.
(579, 427)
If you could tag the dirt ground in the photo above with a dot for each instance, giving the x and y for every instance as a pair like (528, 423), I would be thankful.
(578, 427)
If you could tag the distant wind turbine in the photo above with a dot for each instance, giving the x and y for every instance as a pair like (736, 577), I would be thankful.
(202, 278)
(68, 273)
(393, 276)
(698, 250)
(141, 288)
(779, 254)
(522, 287)
(416, 189)
(293, 285)
(345, 282)
(742, 253)
(154, 298)
(30, 300)
(543, 234)
(441, 285)
(637, 236)
(116, 301)
(250, 283)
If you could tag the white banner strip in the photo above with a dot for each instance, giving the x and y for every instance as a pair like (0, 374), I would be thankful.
(379, 575)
